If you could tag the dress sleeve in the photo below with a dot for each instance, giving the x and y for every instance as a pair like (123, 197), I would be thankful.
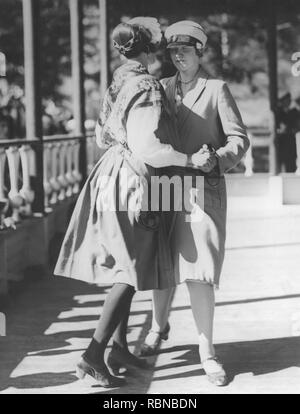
(101, 139)
(237, 142)
(143, 133)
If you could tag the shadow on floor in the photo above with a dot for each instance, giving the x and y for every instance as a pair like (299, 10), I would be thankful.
(255, 357)
(29, 314)
(36, 308)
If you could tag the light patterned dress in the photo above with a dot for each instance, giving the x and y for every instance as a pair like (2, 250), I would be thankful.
(109, 240)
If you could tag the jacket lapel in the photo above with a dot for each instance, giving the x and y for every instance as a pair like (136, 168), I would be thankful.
(189, 100)
(194, 95)
(171, 93)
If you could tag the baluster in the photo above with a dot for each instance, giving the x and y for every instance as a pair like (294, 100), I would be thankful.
(47, 185)
(76, 172)
(4, 203)
(54, 172)
(32, 166)
(69, 175)
(32, 162)
(62, 174)
(90, 154)
(26, 191)
(14, 196)
(94, 151)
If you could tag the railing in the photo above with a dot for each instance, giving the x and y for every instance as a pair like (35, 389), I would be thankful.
(62, 175)
(259, 137)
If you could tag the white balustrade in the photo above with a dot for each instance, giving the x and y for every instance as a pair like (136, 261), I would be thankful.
(47, 175)
(62, 171)
(69, 175)
(76, 172)
(16, 200)
(55, 185)
(26, 191)
(32, 162)
(90, 152)
(62, 177)
(4, 203)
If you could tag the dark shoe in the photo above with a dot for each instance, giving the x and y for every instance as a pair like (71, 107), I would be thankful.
(215, 372)
(153, 340)
(99, 372)
(119, 359)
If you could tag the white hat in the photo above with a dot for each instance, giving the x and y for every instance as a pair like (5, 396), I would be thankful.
(185, 32)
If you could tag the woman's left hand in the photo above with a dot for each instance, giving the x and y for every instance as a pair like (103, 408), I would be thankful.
(210, 164)
(211, 161)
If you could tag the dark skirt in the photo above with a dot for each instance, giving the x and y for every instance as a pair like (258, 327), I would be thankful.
(105, 245)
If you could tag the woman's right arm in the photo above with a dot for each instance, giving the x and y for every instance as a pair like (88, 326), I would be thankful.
(143, 135)
(103, 116)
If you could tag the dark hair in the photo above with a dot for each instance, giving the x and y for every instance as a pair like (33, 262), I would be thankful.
(199, 52)
(131, 40)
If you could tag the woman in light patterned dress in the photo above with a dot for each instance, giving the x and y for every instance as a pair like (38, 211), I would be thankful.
(109, 239)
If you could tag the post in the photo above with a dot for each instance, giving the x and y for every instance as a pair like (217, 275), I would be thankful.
(104, 46)
(273, 83)
(76, 14)
(34, 128)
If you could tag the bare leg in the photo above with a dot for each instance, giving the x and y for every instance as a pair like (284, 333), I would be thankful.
(161, 303)
(203, 304)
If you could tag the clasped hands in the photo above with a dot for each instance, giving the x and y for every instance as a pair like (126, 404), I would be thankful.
(204, 159)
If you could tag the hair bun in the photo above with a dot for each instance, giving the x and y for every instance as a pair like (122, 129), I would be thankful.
(140, 34)
(151, 26)
(125, 38)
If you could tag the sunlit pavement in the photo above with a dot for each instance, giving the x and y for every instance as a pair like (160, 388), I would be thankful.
(257, 321)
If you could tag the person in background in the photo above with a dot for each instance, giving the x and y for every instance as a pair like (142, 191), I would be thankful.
(297, 114)
(297, 108)
(6, 126)
(287, 119)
